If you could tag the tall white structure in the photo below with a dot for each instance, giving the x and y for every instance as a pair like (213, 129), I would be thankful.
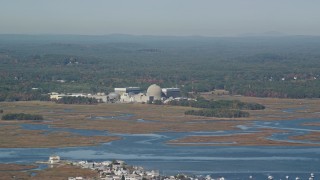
(154, 92)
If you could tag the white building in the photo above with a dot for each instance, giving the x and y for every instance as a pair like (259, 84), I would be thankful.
(133, 177)
(171, 92)
(153, 93)
(134, 94)
(132, 90)
(99, 96)
(54, 159)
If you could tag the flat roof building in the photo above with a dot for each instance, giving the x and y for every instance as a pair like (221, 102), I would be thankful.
(133, 90)
(171, 92)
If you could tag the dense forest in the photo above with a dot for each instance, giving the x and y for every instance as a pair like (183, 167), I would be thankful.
(34, 65)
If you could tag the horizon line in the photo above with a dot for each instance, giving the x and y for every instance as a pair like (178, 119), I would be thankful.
(266, 34)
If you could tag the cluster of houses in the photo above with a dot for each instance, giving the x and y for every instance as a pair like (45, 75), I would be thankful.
(117, 170)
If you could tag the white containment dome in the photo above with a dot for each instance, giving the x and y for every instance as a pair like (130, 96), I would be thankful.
(155, 91)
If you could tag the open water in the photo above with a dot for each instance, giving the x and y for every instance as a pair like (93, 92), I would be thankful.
(152, 152)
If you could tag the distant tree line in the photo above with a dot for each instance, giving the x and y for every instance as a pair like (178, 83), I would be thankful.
(76, 100)
(220, 108)
(26, 96)
(283, 67)
(220, 104)
(21, 116)
(220, 113)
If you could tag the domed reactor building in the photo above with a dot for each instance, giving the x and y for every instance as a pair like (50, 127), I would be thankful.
(154, 92)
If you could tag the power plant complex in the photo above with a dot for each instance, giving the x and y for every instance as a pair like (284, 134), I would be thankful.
(135, 94)
(129, 95)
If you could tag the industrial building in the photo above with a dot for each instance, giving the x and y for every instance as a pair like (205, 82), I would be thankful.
(58, 96)
(154, 92)
(99, 96)
(128, 95)
(133, 90)
(171, 92)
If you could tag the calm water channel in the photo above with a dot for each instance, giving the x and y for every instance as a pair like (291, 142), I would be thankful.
(151, 152)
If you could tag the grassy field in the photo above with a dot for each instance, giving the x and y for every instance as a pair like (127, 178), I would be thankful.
(15, 171)
(160, 119)
(16, 167)
(313, 136)
(276, 108)
(137, 118)
(61, 172)
(245, 139)
(13, 136)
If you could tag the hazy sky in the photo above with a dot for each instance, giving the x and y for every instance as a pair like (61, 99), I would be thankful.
(160, 17)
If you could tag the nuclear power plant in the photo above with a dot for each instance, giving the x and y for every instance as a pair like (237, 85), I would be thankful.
(135, 94)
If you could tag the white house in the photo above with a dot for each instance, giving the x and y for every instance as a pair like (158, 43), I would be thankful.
(54, 159)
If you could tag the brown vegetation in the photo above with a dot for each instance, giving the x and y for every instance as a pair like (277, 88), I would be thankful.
(245, 139)
(6, 175)
(312, 124)
(16, 167)
(62, 172)
(313, 136)
(161, 118)
(12, 136)
(15, 171)
(275, 107)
